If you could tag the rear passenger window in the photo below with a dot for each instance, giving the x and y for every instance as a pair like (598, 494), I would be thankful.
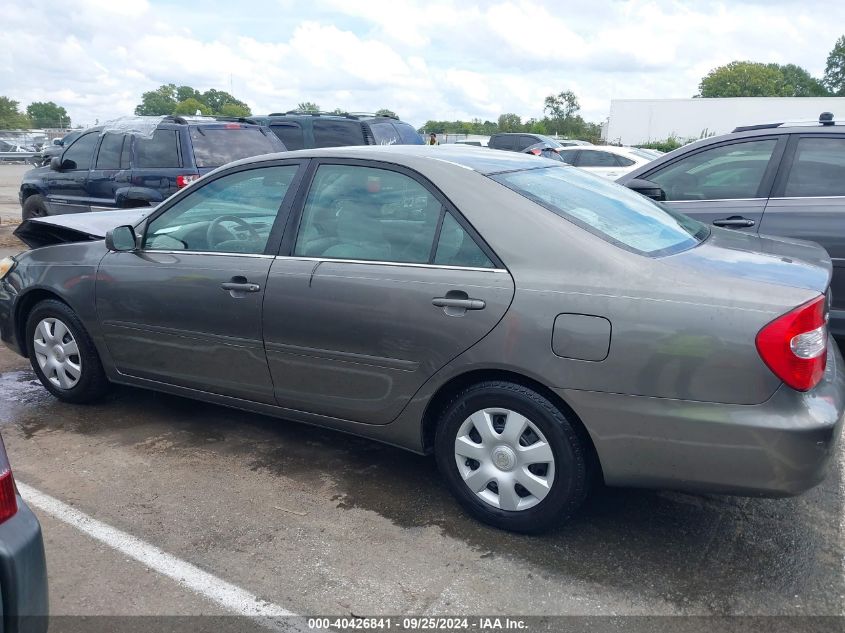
(367, 214)
(109, 155)
(622, 161)
(592, 158)
(818, 168)
(333, 133)
(160, 151)
(457, 248)
(290, 134)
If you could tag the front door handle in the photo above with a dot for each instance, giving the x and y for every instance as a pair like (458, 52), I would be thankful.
(466, 304)
(238, 286)
(734, 222)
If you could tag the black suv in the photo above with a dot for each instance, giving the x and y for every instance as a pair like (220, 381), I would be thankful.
(785, 179)
(519, 142)
(138, 162)
(306, 130)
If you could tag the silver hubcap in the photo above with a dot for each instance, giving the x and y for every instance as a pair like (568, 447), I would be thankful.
(504, 459)
(57, 353)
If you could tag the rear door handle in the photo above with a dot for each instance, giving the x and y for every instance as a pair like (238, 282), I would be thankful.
(734, 222)
(466, 304)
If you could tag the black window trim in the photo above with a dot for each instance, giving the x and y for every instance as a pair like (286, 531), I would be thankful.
(282, 216)
(764, 190)
(292, 226)
(788, 162)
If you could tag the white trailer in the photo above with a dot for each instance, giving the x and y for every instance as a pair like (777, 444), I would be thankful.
(636, 121)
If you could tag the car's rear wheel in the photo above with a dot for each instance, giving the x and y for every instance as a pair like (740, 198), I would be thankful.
(63, 355)
(511, 457)
(34, 207)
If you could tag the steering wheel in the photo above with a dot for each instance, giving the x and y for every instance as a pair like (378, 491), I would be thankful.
(218, 222)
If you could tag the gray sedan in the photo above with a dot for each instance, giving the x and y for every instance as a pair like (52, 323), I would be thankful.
(534, 327)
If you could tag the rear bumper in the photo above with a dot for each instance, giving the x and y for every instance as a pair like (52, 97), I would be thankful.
(23, 574)
(781, 447)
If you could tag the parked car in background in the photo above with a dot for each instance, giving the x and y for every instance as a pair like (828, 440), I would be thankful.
(472, 142)
(108, 168)
(571, 142)
(607, 161)
(519, 141)
(528, 323)
(776, 179)
(305, 130)
(23, 567)
(13, 147)
(57, 147)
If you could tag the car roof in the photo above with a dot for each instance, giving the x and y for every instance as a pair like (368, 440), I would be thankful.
(479, 159)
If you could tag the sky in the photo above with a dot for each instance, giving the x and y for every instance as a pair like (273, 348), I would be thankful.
(423, 59)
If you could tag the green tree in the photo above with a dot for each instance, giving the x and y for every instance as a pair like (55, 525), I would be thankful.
(308, 106)
(47, 114)
(386, 112)
(510, 122)
(235, 110)
(217, 99)
(10, 117)
(752, 79)
(797, 82)
(183, 93)
(191, 106)
(834, 70)
(562, 105)
(161, 101)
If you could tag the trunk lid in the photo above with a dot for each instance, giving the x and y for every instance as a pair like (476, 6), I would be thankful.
(764, 258)
(76, 227)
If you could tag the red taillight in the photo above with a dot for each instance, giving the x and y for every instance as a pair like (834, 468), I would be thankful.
(794, 346)
(184, 181)
(233, 126)
(8, 500)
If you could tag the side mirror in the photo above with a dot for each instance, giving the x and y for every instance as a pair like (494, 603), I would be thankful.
(57, 141)
(647, 188)
(56, 163)
(122, 239)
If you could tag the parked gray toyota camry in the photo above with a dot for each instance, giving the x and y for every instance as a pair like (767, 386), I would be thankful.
(531, 325)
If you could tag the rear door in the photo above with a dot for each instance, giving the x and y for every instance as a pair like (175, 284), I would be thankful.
(380, 285)
(725, 184)
(808, 203)
(110, 171)
(157, 161)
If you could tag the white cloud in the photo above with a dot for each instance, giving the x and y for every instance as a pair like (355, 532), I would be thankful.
(440, 59)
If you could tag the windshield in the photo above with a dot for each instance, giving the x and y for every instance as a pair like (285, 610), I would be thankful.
(216, 146)
(615, 213)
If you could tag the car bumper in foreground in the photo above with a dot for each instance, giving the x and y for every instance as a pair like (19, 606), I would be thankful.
(23, 574)
(783, 446)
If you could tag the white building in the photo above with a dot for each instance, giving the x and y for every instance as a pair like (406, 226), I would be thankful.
(635, 121)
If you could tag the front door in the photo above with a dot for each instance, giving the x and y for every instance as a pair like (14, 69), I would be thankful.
(66, 189)
(186, 308)
(725, 185)
(383, 286)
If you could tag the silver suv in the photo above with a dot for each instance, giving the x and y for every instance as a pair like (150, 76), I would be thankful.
(784, 179)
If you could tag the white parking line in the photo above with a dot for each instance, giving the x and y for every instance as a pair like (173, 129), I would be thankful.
(225, 594)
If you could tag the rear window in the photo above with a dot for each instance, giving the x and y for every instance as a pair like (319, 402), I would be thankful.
(612, 212)
(216, 146)
(334, 133)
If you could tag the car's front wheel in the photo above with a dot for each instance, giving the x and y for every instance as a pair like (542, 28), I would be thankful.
(34, 207)
(63, 355)
(511, 457)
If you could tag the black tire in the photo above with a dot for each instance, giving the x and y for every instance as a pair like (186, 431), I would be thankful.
(92, 382)
(570, 482)
(34, 207)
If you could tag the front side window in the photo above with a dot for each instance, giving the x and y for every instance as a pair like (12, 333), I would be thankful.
(614, 213)
(160, 151)
(592, 158)
(725, 172)
(364, 213)
(818, 168)
(335, 133)
(78, 156)
(232, 214)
